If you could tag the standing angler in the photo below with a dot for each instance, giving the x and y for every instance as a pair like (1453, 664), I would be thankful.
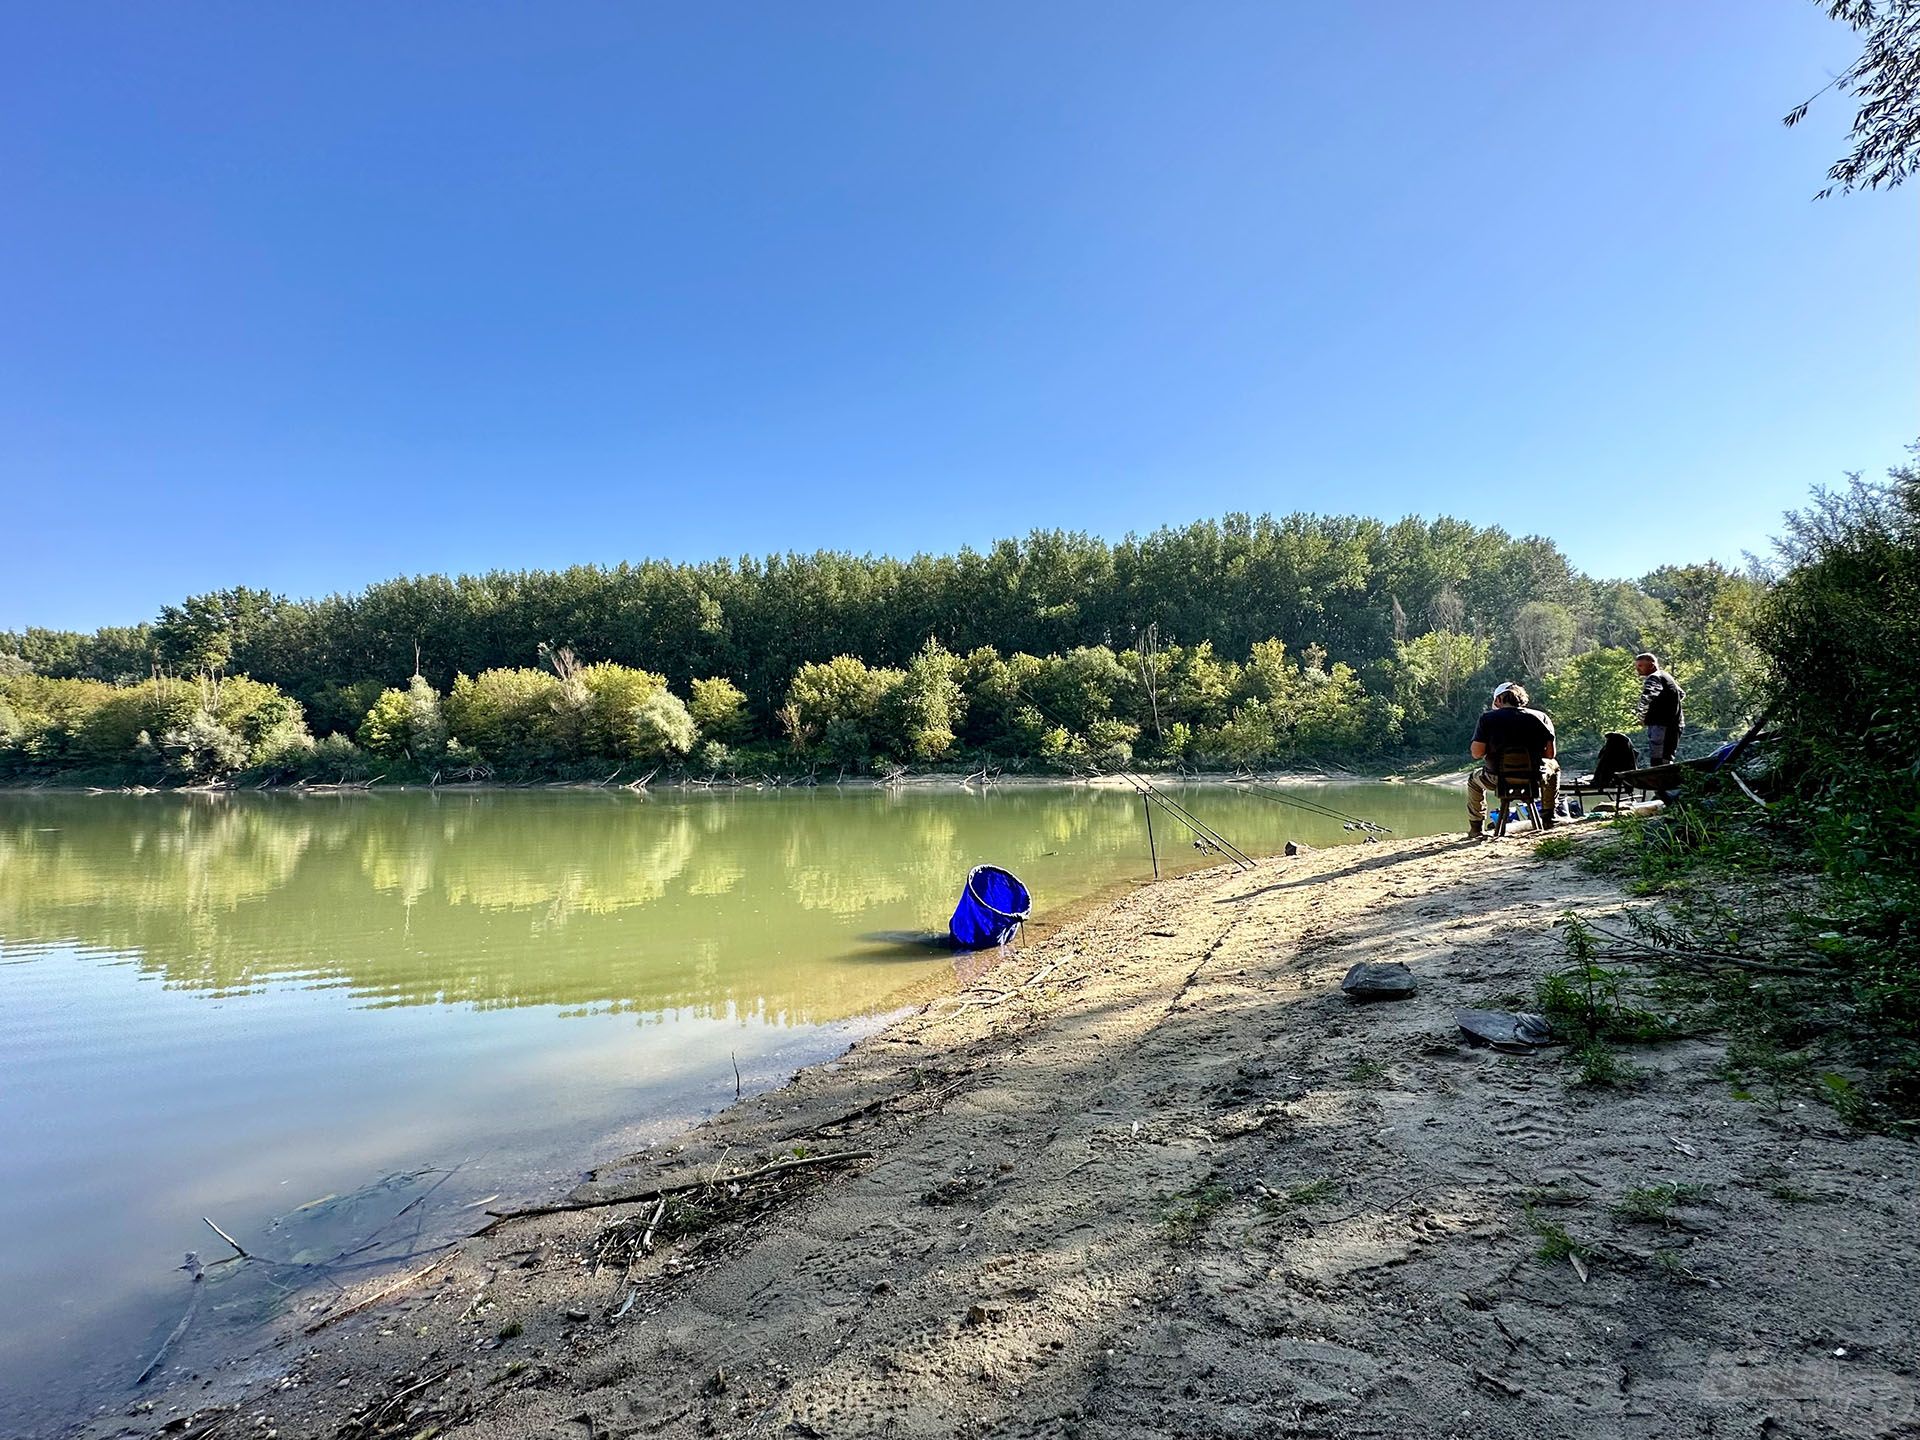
(1660, 697)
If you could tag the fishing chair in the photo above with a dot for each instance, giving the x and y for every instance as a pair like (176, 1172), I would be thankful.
(1516, 776)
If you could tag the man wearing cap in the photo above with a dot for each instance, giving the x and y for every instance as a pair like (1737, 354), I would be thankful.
(1510, 725)
(1660, 697)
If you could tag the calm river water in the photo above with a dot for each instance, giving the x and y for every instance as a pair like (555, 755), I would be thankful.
(299, 1015)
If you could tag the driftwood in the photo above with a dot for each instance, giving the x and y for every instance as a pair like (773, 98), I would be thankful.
(412, 1277)
(238, 1248)
(195, 1271)
(870, 1108)
(934, 1097)
(659, 1214)
(779, 1167)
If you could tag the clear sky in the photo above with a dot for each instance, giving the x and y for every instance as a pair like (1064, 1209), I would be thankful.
(303, 296)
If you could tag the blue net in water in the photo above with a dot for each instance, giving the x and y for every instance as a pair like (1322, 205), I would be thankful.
(990, 909)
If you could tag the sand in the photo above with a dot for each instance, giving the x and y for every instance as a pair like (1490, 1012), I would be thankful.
(1156, 1175)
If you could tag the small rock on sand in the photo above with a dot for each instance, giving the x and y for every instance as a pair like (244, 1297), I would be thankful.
(1388, 980)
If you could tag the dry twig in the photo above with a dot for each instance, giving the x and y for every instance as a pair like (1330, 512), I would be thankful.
(779, 1167)
(412, 1277)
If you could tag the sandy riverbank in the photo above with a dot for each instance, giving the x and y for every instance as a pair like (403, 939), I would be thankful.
(1156, 1175)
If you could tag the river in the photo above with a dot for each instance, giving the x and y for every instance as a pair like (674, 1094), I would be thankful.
(304, 1016)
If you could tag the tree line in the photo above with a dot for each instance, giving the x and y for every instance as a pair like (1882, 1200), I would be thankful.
(1239, 641)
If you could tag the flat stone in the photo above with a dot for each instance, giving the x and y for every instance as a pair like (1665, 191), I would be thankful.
(1517, 1033)
(1370, 981)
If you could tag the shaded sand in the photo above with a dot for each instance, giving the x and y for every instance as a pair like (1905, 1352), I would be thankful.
(1157, 1176)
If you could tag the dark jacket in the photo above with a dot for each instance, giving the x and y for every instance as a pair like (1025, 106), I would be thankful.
(1660, 697)
(1507, 728)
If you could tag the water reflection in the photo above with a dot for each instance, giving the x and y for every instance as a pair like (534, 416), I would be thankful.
(709, 903)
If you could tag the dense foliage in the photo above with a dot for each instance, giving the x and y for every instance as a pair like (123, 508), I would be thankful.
(1813, 902)
(158, 729)
(1842, 636)
(1244, 641)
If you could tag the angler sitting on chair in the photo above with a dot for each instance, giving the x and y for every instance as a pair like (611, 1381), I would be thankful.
(1517, 745)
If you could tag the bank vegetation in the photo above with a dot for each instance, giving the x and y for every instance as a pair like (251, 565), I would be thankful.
(1319, 640)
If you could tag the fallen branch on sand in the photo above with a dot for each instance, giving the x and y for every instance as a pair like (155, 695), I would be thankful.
(379, 1414)
(933, 1097)
(1662, 947)
(659, 1213)
(1494, 1382)
(412, 1277)
(779, 1167)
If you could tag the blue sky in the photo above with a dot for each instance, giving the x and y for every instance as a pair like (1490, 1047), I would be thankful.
(305, 296)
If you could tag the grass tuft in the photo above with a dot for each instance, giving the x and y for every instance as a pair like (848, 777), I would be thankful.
(1316, 1191)
(1188, 1217)
(1556, 1241)
(1655, 1204)
(1368, 1074)
(1599, 1067)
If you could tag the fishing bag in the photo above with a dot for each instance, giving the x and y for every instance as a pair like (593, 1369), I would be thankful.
(1616, 755)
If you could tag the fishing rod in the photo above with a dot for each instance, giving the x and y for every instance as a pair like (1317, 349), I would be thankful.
(1316, 807)
(1312, 807)
(1319, 807)
(1206, 832)
(1148, 791)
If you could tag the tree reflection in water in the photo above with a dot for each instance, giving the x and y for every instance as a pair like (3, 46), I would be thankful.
(732, 902)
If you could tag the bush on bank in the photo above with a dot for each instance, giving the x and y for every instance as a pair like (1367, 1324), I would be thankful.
(155, 731)
(1821, 887)
(1089, 709)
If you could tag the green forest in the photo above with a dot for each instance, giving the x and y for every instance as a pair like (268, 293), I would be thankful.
(1305, 639)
